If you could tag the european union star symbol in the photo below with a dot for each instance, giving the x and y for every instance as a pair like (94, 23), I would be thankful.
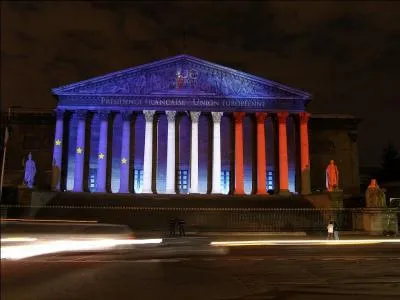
(58, 142)
(101, 156)
(124, 160)
(79, 150)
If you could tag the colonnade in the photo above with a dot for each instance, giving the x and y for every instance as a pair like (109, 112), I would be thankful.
(80, 160)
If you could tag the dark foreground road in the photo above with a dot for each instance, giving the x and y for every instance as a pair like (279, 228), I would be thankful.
(279, 272)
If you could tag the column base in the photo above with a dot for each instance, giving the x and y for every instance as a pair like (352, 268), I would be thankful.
(262, 193)
(284, 193)
(147, 192)
(238, 193)
(123, 192)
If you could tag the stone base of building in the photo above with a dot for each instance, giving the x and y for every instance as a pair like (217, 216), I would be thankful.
(170, 201)
(380, 221)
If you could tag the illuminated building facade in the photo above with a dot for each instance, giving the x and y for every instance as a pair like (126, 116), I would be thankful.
(181, 125)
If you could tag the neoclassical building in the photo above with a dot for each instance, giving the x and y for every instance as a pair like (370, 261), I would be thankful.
(181, 125)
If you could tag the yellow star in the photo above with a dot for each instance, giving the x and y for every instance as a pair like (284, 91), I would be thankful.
(58, 142)
(101, 156)
(124, 160)
(79, 150)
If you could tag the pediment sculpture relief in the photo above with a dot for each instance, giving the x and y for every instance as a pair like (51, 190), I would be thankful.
(184, 79)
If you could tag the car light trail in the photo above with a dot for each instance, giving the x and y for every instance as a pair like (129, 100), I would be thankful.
(18, 239)
(301, 242)
(41, 248)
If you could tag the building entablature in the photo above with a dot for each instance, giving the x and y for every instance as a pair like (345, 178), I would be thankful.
(182, 83)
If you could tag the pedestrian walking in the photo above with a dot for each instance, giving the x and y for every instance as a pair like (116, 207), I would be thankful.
(181, 226)
(172, 226)
(330, 230)
(335, 230)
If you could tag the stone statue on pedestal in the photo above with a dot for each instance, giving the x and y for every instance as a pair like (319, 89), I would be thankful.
(30, 172)
(374, 196)
(332, 176)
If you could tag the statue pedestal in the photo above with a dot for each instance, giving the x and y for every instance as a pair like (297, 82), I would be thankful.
(336, 198)
(379, 221)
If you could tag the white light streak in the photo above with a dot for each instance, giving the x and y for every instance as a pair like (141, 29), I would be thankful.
(30, 250)
(302, 242)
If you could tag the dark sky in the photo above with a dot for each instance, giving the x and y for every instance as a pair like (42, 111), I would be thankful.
(346, 54)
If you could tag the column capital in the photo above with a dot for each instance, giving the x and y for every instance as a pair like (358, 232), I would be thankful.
(304, 116)
(170, 115)
(195, 115)
(148, 115)
(59, 113)
(81, 114)
(103, 115)
(239, 116)
(261, 117)
(282, 116)
(126, 115)
(217, 116)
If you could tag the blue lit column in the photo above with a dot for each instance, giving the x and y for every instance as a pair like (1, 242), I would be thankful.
(102, 155)
(216, 163)
(125, 152)
(57, 152)
(80, 151)
(148, 151)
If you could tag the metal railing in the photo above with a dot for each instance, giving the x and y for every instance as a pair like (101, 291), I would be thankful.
(204, 219)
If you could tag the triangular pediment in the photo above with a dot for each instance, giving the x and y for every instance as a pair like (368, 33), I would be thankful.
(182, 75)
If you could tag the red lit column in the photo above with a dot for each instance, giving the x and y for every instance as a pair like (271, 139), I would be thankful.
(239, 176)
(261, 156)
(283, 154)
(304, 154)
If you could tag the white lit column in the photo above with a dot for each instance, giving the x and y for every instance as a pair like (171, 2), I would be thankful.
(194, 153)
(216, 164)
(148, 151)
(170, 189)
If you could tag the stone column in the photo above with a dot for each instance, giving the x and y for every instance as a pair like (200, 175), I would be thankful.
(304, 154)
(194, 153)
(125, 152)
(283, 154)
(102, 153)
(216, 164)
(148, 151)
(80, 151)
(57, 152)
(170, 188)
(239, 174)
(261, 156)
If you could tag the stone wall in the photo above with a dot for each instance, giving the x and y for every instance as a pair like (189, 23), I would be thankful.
(334, 137)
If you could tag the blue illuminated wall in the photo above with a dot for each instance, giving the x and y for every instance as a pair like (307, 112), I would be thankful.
(162, 135)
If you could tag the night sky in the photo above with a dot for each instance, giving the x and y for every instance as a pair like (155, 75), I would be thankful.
(346, 54)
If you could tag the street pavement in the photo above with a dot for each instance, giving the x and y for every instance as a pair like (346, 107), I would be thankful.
(196, 271)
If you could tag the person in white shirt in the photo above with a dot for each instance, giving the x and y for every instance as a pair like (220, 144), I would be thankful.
(330, 230)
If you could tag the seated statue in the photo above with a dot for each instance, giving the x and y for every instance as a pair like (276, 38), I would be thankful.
(374, 196)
